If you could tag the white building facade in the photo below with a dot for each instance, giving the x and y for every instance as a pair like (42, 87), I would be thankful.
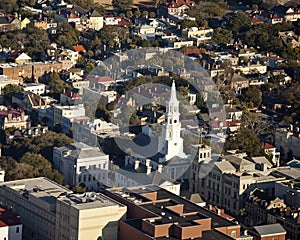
(81, 164)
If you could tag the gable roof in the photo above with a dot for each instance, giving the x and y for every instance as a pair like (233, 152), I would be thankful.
(23, 56)
(95, 13)
(179, 3)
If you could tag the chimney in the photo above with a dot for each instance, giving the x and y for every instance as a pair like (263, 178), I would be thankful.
(136, 164)
(149, 170)
(148, 162)
(160, 168)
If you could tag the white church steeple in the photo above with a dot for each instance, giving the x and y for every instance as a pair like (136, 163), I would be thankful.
(172, 127)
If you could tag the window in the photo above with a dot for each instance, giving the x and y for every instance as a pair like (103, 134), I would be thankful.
(81, 169)
(17, 230)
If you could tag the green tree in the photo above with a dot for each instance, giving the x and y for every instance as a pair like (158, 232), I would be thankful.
(145, 14)
(8, 5)
(221, 35)
(56, 84)
(129, 14)
(239, 23)
(187, 23)
(137, 13)
(245, 140)
(152, 14)
(66, 35)
(253, 95)
(10, 89)
(36, 43)
(122, 4)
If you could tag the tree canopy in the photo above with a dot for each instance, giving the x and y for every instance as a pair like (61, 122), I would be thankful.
(122, 4)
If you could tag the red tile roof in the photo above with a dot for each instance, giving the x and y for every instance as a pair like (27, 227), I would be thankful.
(256, 20)
(268, 146)
(179, 3)
(8, 218)
(79, 48)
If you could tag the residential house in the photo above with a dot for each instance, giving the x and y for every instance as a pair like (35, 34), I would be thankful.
(19, 58)
(290, 14)
(29, 101)
(270, 17)
(96, 132)
(116, 21)
(66, 115)
(271, 151)
(257, 206)
(14, 118)
(197, 32)
(180, 44)
(10, 225)
(36, 88)
(28, 132)
(233, 113)
(290, 39)
(238, 82)
(81, 164)
(68, 16)
(287, 141)
(96, 21)
(175, 7)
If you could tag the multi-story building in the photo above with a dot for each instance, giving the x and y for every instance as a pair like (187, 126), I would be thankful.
(81, 164)
(10, 225)
(269, 232)
(288, 142)
(175, 7)
(289, 218)
(257, 206)
(96, 21)
(138, 176)
(64, 115)
(154, 213)
(289, 191)
(14, 119)
(51, 212)
(227, 183)
(29, 70)
(36, 88)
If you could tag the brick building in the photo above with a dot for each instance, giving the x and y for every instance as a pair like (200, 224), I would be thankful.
(154, 213)
(29, 70)
(269, 232)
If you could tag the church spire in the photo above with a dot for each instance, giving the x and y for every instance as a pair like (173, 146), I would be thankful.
(173, 98)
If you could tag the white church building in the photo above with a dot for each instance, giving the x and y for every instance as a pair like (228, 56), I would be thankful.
(170, 158)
